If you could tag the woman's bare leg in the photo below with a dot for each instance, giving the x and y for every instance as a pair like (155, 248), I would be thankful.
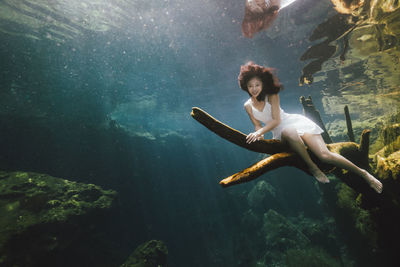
(317, 145)
(290, 136)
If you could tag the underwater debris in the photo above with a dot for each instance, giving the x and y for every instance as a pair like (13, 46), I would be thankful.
(349, 125)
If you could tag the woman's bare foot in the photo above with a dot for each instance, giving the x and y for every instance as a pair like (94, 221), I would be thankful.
(319, 175)
(373, 182)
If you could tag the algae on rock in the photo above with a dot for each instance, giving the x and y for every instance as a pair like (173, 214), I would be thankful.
(46, 219)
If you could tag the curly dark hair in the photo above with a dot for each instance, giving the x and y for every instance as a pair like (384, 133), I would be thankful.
(270, 83)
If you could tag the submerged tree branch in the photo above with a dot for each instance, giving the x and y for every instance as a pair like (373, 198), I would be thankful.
(272, 162)
(268, 146)
(280, 153)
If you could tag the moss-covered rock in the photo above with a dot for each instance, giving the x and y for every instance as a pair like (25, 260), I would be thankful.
(388, 140)
(386, 162)
(150, 254)
(389, 168)
(43, 217)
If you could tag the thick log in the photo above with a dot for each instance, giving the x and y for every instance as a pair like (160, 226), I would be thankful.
(281, 155)
(268, 146)
(349, 150)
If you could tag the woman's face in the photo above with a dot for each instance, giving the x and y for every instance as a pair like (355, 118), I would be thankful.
(254, 86)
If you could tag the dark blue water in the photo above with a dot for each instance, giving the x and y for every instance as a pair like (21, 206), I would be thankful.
(101, 92)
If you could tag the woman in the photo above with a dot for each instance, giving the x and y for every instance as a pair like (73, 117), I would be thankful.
(293, 129)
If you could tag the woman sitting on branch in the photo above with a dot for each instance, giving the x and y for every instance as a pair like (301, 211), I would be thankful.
(263, 107)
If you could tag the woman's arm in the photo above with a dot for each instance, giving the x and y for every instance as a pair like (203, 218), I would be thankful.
(256, 123)
(276, 120)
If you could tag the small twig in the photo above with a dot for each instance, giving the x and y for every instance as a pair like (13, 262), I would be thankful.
(350, 132)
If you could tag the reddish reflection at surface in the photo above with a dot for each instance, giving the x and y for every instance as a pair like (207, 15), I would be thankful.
(259, 15)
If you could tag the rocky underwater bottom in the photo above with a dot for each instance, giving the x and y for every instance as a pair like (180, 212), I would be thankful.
(48, 221)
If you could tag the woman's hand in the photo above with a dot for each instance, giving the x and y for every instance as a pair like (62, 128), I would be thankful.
(255, 136)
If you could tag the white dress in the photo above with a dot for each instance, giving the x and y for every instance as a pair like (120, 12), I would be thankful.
(301, 123)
